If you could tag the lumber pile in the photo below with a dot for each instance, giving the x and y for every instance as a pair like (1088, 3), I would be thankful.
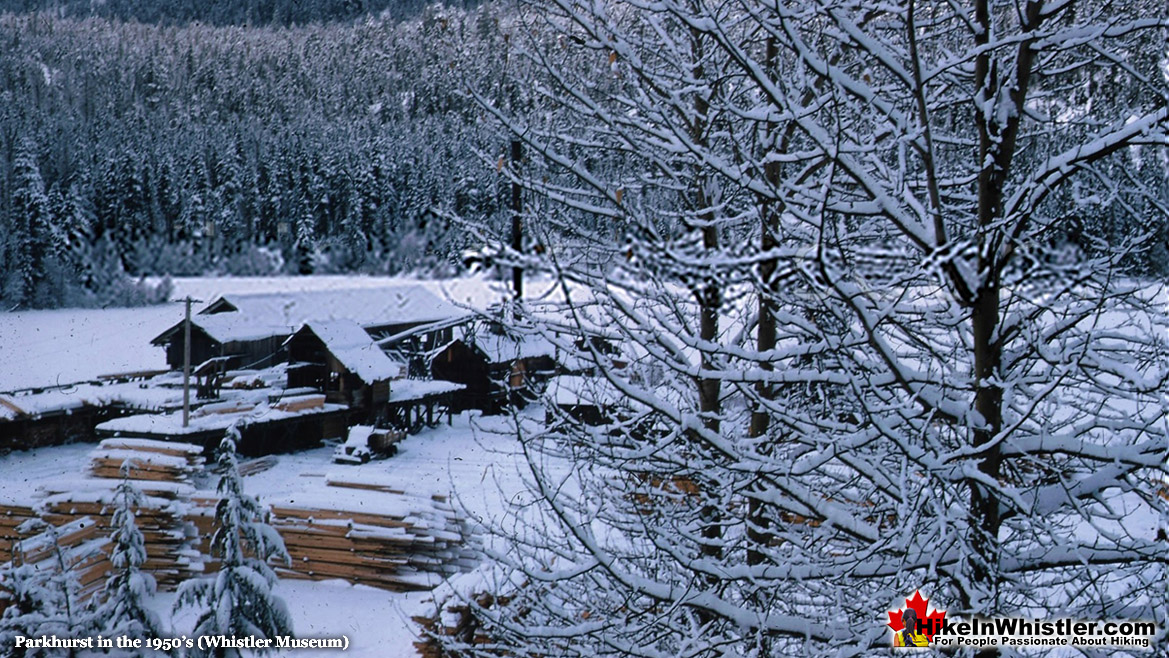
(458, 623)
(147, 459)
(162, 523)
(382, 538)
(221, 408)
(258, 465)
(162, 472)
(201, 516)
(352, 527)
(300, 402)
(12, 516)
(83, 549)
(80, 511)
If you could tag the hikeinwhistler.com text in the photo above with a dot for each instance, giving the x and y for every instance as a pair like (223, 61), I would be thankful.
(1019, 632)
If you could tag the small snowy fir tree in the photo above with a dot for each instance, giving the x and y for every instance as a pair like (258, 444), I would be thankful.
(239, 601)
(124, 611)
(42, 600)
(29, 604)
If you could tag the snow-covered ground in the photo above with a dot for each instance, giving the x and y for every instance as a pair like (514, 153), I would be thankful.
(467, 461)
(51, 348)
(459, 460)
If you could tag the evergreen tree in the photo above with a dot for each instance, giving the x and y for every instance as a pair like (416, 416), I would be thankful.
(43, 599)
(30, 225)
(924, 404)
(304, 250)
(124, 611)
(30, 604)
(239, 599)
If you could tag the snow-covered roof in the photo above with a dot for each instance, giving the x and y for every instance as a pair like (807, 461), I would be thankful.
(501, 348)
(237, 318)
(354, 348)
(230, 327)
(417, 389)
(373, 307)
(86, 395)
(172, 424)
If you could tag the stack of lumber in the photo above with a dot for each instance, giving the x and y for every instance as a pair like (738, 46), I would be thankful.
(258, 465)
(162, 472)
(455, 621)
(162, 523)
(83, 548)
(201, 516)
(221, 408)
(12, 515)
(81, 512)
(147, 459)
(300, 402)
(371, 535)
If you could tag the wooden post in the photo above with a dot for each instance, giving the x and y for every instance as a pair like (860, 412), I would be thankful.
(187, 363)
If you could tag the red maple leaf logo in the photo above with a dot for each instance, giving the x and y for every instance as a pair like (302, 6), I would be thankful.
(930, 623)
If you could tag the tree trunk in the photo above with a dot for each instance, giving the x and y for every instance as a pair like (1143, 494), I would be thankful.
(757, 522)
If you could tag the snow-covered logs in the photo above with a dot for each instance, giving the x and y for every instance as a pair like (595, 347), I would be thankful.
(147, 459)
(369, 533)
(352, 528)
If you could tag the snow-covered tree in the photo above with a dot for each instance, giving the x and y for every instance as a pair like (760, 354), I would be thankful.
(43, 598)
(849, 367)
(30, 603)
(125, 610)
(31, 223)
(239, 599)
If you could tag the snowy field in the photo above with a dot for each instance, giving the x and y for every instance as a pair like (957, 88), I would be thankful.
(466, 461)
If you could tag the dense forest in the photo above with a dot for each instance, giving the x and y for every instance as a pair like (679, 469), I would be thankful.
(173, 138)
(235, 12)
(189, 149)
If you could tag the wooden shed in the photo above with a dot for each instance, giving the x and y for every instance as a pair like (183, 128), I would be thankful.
(339, 358)
(244, 340)
(495, 367)
(461, 363)
(252, 328)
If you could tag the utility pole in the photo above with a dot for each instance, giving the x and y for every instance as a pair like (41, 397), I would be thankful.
(187, 362)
